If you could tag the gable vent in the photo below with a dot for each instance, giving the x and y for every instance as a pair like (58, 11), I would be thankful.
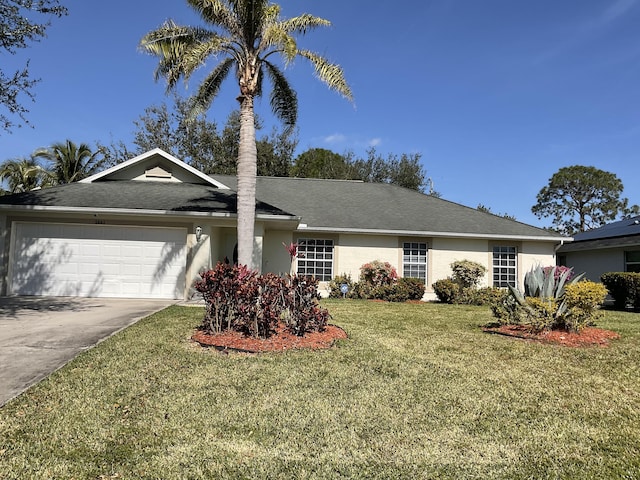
(157, 172)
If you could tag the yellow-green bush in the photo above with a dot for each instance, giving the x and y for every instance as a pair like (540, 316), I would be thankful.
(541, 313)
(583, 301)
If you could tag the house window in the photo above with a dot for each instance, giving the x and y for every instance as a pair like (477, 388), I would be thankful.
(315, 258)
(632, 261)
(414, 260)
(505, 266)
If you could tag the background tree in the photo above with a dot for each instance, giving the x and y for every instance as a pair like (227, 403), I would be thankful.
(198, 141)
(404, 170)
(485, 209)
(275, 153)
(17, 29)
(580, 198)
(69, 162)
(24, 175)
(321, 163)
(246, 35)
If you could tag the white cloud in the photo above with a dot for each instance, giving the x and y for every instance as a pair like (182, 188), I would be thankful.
(335, 138)
(618, 9)
(374, 142)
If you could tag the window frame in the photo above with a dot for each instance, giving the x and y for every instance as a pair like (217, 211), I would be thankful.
(503, 268)
(415, 263)
(315, 265)
(628, 262)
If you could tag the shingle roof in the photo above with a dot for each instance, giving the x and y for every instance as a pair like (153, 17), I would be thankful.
(136, 195)
(357, 206)
(331, 205)
(623, 233)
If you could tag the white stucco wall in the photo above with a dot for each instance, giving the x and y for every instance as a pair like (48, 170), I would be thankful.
(445, 251)
(531, 254)
(275, 258)
(353, 251)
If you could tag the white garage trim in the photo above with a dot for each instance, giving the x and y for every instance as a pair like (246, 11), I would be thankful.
(60, 259)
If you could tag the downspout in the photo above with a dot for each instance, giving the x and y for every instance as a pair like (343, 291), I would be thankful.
(555, 250)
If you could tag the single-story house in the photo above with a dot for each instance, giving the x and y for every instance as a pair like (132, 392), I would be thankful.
(147, 227)
(611, 248)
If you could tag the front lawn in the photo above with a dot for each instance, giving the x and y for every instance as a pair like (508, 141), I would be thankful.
(417, 391)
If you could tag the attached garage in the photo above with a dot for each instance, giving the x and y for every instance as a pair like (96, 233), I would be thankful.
(61, 259)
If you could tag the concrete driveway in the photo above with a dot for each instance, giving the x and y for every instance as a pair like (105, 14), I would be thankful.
(38, 335)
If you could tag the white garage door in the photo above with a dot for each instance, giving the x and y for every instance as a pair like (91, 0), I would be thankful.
(97, 261)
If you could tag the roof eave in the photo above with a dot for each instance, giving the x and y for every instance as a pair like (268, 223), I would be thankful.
(142, 212)
(427, 233)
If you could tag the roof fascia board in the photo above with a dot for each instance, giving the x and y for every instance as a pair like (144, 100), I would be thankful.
(141, 212)
(422, 233)
(144, 156)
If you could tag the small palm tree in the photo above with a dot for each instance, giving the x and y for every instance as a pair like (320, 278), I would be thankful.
(248, 35)
(71, 162)
(24, 175)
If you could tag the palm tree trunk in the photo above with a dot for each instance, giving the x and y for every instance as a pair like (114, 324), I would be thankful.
(247, 171)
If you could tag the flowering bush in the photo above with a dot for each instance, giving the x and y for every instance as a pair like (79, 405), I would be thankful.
(558, 272)
(378, 273)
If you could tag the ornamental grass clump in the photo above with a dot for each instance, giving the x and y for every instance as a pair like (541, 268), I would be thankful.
(553, 299)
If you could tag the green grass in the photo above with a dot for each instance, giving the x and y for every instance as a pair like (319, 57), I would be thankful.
(417, 391)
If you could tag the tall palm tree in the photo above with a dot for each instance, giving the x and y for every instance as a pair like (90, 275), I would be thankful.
(71, 162)
(24, 175)
(247, 35)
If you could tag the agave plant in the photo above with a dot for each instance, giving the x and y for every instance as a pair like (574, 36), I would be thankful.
(547, 284)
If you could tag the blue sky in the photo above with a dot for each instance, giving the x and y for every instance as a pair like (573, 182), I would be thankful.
(496, 95)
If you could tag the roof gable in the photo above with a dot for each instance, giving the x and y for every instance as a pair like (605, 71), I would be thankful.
(154, 166)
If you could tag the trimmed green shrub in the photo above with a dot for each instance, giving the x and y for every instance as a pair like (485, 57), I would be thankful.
(624, 287)
(390, 293)
(482, 296)
(583, 301)
(336, 283)
(467, 273)
(378, 280)
(415, 287)
(446, 290)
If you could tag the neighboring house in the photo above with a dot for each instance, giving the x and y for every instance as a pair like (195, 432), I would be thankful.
(612, 248)
(148, 226)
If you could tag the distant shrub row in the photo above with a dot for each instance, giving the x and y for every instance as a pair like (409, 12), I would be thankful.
(624, 287)
(462, 286)
(379, 281)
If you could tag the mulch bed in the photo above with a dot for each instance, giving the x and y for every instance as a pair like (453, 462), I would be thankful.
(281, 341)
(588, 337)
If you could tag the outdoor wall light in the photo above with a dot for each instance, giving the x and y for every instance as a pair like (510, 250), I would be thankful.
(198, 233)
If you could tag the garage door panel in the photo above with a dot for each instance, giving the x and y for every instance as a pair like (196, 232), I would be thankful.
(96, 260)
